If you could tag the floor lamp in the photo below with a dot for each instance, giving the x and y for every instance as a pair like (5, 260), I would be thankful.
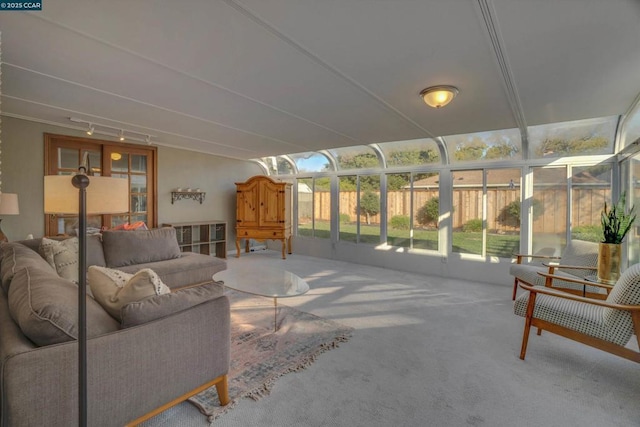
(84, 195)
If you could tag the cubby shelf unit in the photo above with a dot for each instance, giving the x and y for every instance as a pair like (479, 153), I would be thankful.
(209, 238)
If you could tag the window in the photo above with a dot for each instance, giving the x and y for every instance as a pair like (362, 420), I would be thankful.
(348, 209)
(357, 157)
(590, 189)
(410, 153)
(496, 145)
(580, 137)
(549, 210)
(63, 155)
(314, 207)
(311, 162)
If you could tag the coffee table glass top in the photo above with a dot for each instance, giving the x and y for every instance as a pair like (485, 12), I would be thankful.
(265, 281)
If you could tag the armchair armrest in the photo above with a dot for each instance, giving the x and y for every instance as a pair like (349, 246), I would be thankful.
(550, 277)
(575, 267)
(560, 294)
(520, 256)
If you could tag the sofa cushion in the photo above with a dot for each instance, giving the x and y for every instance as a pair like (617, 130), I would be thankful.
(156, 307)
(114, 288)
(189, 269)
(63, 256)
(16, 256)
(45, 307)
(123, 248)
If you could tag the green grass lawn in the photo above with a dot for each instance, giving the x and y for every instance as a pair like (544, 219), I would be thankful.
(500, 245)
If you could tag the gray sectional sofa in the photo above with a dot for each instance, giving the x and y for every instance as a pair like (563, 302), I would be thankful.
(169, 345)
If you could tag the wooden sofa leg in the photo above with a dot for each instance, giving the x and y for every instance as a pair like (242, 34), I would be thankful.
(223, 391)
(221, 386)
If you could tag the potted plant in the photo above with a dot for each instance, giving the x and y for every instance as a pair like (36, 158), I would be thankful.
(616, 223)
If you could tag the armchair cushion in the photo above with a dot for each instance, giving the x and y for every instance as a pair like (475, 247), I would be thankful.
(626, 292)
(575, 315)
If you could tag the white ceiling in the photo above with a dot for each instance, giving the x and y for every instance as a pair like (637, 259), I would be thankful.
(250, 78)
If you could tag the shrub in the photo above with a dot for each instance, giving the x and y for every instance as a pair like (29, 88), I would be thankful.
(429, 213)
(590, 233)
(345, 218)
(400, 222)
(472, 225)
(510, 214)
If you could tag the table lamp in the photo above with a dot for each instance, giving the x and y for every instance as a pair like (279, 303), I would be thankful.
(83, 195)
(8, 206)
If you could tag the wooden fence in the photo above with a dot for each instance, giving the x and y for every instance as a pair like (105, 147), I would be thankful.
(467, 205)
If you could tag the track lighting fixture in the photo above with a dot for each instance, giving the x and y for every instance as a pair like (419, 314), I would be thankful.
(113, 131)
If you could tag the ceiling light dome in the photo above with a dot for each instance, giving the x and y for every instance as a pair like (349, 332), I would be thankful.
(438, 96)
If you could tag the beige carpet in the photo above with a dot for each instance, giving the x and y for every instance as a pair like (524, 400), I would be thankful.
(428, 351)
(260, 355)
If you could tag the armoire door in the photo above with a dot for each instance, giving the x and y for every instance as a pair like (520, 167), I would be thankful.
(271, 204)
(248, 198)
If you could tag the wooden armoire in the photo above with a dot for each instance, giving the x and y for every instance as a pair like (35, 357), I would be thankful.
(263, 212)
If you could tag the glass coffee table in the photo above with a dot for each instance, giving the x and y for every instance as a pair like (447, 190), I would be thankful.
(269, 282)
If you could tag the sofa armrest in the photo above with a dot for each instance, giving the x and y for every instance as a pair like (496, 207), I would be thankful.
(130, 372)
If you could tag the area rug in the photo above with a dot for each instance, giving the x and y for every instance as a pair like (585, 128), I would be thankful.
(259, 355)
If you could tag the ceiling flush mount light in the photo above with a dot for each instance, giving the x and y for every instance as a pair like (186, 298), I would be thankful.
(438, 96)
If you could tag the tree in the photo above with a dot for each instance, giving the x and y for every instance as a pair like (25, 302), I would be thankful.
(429, 213)
(557, 147)
(369, 205)
(412, 157)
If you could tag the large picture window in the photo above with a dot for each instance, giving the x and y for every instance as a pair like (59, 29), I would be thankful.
(63, 155)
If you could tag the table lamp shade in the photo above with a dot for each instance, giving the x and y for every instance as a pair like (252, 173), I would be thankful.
(105, 195)
(9, 204)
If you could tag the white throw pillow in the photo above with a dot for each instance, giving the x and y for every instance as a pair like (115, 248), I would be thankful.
(114, 289)
(63, 256)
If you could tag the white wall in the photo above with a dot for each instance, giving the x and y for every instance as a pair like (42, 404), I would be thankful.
(22, 172)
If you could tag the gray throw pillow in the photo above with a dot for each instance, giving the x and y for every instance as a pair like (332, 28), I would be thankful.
(157, 307)
(16, 256)
(45, 307)
(139, 246)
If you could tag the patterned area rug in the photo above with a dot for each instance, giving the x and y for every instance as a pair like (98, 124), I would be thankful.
(259, 355)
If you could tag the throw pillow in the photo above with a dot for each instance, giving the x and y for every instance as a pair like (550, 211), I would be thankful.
(45, 307)
(157, 307)
(113, 289)
(63, 256)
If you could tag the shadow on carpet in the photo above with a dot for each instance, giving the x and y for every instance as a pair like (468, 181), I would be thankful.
(259, 355)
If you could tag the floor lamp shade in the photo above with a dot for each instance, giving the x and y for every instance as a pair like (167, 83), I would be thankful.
(105, 195)
(9, 204)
